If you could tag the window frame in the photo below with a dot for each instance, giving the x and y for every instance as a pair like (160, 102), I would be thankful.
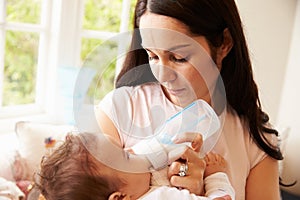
(9, 115)
(60, 45)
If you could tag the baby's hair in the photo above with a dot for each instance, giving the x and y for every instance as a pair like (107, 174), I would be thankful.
(72, 173)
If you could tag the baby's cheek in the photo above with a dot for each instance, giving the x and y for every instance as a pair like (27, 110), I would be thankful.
(141, 185)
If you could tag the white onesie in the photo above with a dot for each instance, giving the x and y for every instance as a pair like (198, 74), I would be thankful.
(216, 185)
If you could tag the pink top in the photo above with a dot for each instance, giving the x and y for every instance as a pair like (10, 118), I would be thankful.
(137, 111)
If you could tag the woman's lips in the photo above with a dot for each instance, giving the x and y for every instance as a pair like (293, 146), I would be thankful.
(176, 92)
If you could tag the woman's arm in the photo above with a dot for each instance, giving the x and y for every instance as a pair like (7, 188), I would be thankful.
(107, 127)
(263, 181)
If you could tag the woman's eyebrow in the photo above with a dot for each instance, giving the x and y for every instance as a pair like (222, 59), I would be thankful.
(170, 49)
(178, 47)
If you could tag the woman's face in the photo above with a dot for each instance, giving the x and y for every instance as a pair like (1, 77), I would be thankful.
(179, 60)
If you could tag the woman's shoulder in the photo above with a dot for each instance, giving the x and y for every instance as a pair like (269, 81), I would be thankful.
(133, 98)
(235, 131)
(146, 88)
(129, 92)
(234, 119)
(148, 92)
(238, 129)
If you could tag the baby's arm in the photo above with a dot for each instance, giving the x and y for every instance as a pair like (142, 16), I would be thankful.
(216, 181)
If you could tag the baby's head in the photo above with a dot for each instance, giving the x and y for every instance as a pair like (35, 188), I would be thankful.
(72, 173)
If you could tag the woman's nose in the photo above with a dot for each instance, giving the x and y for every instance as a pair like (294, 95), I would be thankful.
(166, 74)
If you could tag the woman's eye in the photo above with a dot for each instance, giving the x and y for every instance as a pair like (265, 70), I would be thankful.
(152, 58)
(179, 60)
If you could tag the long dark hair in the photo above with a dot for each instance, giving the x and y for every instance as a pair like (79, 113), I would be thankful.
(209, 18)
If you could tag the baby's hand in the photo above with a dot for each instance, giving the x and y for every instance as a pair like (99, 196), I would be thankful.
(214, 163)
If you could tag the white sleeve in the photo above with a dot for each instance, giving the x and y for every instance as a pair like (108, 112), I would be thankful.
(218, 185)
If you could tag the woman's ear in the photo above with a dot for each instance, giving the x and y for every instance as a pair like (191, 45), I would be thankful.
(227, 42)
(226, 46)
(118, 196)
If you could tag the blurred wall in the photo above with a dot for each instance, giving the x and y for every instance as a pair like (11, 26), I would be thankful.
(273, 31)
(268, 26)
(289, 110)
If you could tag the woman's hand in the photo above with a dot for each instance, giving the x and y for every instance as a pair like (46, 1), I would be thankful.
(193, 180)
(227, 197)
(195, 139)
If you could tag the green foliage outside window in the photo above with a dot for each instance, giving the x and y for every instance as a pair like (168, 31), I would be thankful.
(102, 58)
(25, 11)
(20, 59)
(20, 68)
(102, 15)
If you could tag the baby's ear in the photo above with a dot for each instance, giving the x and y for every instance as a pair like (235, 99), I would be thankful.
(118, 196)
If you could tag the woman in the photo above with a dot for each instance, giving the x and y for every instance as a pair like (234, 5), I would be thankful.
(167, 35)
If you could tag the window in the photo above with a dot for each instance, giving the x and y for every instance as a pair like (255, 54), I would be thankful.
(24, 38)
(38, 37)
(22, 42)
(100, 39)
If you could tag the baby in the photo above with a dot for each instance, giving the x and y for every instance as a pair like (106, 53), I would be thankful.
(71, 172)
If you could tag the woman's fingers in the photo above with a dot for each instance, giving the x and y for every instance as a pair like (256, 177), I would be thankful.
(227, 197)
(192, 156)
(194, 138)
(193, 179)
(197, 143)
(190, 183)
